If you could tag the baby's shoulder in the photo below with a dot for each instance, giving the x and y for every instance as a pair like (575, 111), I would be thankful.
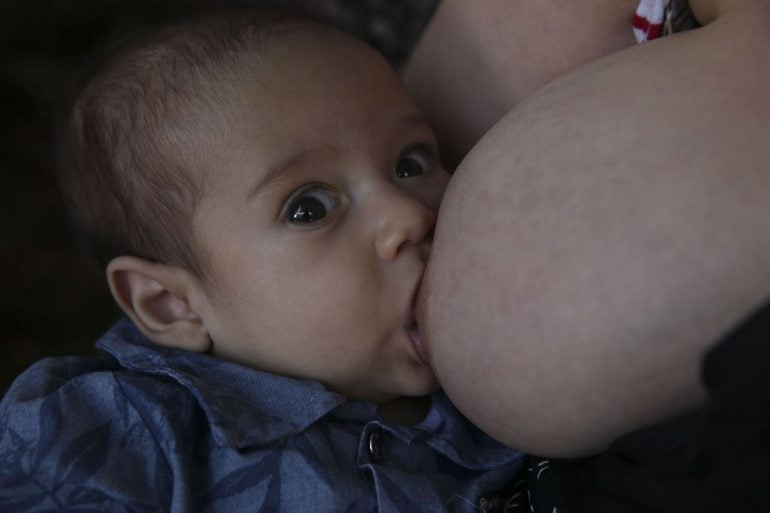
(76, 392)
(70, 421)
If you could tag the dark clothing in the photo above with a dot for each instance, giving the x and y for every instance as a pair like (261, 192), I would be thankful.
(713, 460)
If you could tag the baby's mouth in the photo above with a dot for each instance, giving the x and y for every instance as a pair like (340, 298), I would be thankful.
(416, 338)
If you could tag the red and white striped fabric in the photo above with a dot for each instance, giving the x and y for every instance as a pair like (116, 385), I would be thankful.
(648, 20)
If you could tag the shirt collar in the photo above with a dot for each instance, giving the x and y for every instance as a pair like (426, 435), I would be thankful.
(245, 407)
(248, 408)
(461, 441)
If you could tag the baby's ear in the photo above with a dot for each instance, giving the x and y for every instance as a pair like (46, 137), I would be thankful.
(157, 298)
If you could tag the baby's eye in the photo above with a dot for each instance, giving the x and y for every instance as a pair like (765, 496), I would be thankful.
(311, 206)
(415, 162)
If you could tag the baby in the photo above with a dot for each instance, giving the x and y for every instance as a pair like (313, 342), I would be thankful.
(262, 192)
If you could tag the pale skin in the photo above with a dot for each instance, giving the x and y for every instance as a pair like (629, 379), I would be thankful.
(476, 60)
(603, 235)
(316, 221)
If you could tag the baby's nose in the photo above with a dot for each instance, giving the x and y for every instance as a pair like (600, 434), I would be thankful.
(406, 223)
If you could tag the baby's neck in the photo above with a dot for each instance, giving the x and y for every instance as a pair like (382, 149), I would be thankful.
(405, 411)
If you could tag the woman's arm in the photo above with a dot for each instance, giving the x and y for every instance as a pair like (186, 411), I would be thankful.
(477, 60)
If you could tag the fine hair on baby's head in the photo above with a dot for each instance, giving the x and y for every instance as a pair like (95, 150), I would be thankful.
(135, 130)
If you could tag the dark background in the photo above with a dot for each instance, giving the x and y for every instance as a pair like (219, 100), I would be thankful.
(54, 299)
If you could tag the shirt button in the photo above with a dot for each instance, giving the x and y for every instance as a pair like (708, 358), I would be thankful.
(375, 445)
(490, 504)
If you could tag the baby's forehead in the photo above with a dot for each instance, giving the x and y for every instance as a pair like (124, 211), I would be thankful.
(219, 49)
(218, 93)
(297, 55)
(301, 63)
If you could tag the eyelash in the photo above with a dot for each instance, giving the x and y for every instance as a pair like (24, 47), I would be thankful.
(430, 158)
(292, 210)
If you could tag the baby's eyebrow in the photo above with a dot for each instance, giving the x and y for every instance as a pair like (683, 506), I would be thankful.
(411, 120)
(277, 171)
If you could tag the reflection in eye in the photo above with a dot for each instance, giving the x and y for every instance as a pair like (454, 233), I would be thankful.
(311, 206)
(415, 162)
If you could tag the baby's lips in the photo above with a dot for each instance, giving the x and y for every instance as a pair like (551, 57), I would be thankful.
(417, 342)
(421, 343)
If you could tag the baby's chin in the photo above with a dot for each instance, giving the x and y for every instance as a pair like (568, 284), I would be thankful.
(424, 383)
(421, 385)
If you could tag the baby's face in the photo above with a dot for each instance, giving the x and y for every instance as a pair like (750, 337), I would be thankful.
(318, 223)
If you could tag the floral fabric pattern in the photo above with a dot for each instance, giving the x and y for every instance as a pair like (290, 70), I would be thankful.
(151, 429)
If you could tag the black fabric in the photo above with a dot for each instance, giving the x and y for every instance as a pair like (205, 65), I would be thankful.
(716, 459)
(550, 486)
(658, 469)
(737, 442)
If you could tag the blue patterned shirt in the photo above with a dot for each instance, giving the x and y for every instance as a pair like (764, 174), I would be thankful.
(154, 429)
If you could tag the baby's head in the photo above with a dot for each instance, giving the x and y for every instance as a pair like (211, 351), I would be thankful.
(263, 189)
